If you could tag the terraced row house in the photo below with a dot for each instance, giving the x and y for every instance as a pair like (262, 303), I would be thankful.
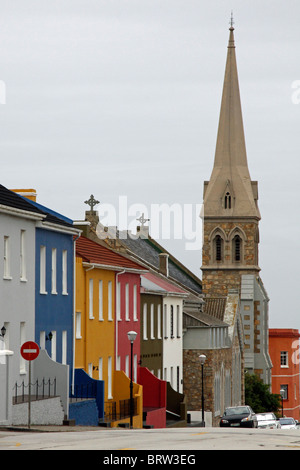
(78, 288)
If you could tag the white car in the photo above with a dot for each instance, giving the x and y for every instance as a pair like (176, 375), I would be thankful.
(287, 423)
(267, 421)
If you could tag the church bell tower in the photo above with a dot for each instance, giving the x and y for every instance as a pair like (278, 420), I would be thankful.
(230, 210)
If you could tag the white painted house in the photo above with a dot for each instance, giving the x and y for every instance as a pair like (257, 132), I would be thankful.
(18, 220)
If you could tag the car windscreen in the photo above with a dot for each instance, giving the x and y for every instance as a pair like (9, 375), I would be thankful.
(265, 417)
(286, 421)
(241, 410)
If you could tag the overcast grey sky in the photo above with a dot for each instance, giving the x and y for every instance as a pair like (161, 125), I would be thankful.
(122, 98)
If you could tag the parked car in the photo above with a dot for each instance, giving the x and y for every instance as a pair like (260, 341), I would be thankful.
(288, 423)
(242, 416)
(267, 421)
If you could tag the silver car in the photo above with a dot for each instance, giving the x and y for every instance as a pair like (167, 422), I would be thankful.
(288, 423)
(267, 421)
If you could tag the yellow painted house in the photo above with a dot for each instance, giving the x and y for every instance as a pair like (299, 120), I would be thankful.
(95, 329)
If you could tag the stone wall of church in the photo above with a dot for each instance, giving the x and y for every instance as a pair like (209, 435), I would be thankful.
(226, 274)
(215, 360)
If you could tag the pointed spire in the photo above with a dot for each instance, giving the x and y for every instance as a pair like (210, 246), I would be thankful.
(230, 162)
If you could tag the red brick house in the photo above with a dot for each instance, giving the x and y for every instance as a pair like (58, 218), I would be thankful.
(284, 352)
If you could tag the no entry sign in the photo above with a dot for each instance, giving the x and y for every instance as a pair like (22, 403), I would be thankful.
(30, 350)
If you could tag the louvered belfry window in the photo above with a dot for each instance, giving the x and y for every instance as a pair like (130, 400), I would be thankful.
(237, 248)
(218, 242)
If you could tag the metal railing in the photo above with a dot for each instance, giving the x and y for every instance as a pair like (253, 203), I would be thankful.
(110, 410)
(83, 391)
(39, 390)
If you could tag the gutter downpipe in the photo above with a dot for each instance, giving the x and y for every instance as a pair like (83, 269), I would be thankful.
(74, 308)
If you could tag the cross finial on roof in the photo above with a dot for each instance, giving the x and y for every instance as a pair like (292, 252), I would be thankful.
(92, 202)
(142, 220)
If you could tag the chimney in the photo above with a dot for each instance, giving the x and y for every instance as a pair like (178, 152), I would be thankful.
(142, 231)
(28, 193)
(164, 264)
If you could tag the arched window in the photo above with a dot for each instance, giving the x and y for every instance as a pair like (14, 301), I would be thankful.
(218, 248)
(237, 242)
(227, 201)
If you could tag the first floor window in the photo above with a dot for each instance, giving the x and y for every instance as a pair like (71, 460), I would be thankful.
(283, 359)
(284, 391)
(6, 258)
(64, 272)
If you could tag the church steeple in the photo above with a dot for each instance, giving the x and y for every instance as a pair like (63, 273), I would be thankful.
(231, 214)
(230, 164)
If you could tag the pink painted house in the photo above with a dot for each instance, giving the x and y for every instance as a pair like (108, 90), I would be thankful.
(127, 319)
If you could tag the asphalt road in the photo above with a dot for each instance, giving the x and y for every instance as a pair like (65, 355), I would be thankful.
(181, 443)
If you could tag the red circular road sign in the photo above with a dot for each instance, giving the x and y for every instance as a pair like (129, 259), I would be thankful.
(30, 350)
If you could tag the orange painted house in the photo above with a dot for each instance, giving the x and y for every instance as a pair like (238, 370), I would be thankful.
(97, 269)
(284, 353)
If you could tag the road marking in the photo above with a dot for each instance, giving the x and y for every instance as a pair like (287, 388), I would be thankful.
(199, 433)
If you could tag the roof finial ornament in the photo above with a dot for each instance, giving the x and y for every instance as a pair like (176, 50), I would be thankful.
(231, 21)
(142, 220)
(92, 202)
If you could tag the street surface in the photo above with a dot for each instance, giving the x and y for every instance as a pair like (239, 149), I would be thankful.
(125, 442)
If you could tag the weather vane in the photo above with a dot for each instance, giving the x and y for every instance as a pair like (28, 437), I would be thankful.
(92, 202)
(231, 20)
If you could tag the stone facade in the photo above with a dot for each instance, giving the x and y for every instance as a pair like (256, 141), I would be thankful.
(218, 276)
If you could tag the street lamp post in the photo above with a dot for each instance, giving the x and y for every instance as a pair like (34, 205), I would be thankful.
(282, 391)
(202, 359)
(131, 336)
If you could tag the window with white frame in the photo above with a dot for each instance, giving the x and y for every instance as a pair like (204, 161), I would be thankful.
(110, 301)
(64, 272)
(6, 258)
(135, 368)
(118, 300)
(91, 299)
(165, 320)
(284, 359)
(178, 321)
(127, 301)
(100, 300)
(100, 368)
(172, 322)
(78, 325)
(159, 321)
(109, 378)
(284, 391)
(127, 365)
(135, 299)
(42, 339)
(145, 322)
(43, 270)
(22, 340)
(64, 347)
(53, 271)
(152, 321)
(22, 256)
(53, 346)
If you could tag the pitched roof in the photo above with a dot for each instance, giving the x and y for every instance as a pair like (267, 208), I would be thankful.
(10, 198)
(148, 250)
(151, 282)
(92, 252)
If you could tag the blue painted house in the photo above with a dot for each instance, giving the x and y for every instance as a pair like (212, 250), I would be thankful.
(54, 285)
